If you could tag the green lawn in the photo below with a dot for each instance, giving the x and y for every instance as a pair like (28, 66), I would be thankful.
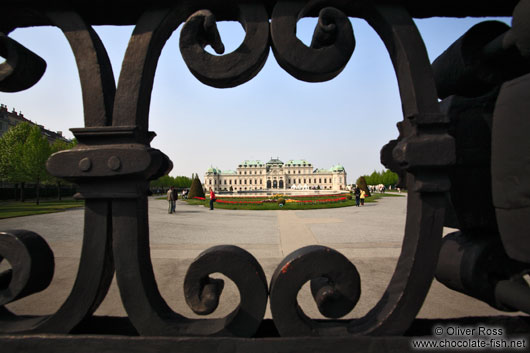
(28, 208)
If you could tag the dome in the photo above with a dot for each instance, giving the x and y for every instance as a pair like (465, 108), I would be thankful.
(213, 170)
(337, 168)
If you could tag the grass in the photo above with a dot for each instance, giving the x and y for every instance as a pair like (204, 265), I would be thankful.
(11, 209)
(287, 206)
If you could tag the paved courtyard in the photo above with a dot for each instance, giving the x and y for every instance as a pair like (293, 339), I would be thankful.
(370, 236)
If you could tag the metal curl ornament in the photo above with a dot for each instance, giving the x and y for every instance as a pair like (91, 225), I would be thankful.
(331, 48)
(232, 69)
(335, 285)
(202, 293)
(32, 265)
(22, 68)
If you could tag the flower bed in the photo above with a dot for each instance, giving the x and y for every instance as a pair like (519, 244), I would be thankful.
(338, 199)
(239, 202)
(317, 200)
(281, 195)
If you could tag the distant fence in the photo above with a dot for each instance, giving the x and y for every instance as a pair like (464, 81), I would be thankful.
(12, 193)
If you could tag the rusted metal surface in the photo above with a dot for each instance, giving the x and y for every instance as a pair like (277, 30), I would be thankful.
(482, 79)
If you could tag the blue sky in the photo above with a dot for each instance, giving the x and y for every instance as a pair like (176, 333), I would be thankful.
(346, 120)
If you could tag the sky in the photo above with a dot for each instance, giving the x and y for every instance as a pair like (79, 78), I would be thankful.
(343, 121)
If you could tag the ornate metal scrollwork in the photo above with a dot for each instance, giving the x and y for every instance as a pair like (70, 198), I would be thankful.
(335, 285)
(32, 265)
(232, 69)
(114, 162)
(331, 48)
(22, 68)
(116, 134)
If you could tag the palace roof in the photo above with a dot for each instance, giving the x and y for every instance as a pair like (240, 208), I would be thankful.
(274, 161)
(298, 162)
(249, 163)
(337, 168)
(213, 170)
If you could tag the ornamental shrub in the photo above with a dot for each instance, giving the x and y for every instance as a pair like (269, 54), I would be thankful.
(349, 197)
(281, 201)
(361, 183)
(196, 189)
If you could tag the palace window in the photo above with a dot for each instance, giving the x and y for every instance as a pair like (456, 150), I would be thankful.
(240, 181)
(320, 180)
(245, 183)
(210, 181)
(230, 181)
(261, 182)
(245, 172)
(298, 171)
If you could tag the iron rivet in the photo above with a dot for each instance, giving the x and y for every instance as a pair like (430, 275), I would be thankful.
(114, 163)
(85, 164)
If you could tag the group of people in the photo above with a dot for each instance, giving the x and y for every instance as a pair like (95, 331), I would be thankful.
(360, 195)
(379, 188)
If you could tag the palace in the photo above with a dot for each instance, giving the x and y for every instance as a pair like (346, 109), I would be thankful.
(10, 119)
(276, 175)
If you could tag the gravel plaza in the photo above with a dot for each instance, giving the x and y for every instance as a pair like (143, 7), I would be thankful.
(370, 236)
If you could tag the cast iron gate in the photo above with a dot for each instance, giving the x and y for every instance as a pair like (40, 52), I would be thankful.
(485, 86)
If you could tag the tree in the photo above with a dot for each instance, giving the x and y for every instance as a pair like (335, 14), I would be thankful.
(166, 181)
(373, 179)
(35, 153)
(11, 152)
(196, 189)
(60, 145)
(389, 178)
(183, 182)
(385, 177)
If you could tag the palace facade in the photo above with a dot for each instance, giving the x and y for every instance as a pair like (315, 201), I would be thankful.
(276, 175)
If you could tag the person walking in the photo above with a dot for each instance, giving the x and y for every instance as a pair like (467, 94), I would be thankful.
(362, 196)
(212, 199)
(171, 199)
(175, 198)
(357, 196)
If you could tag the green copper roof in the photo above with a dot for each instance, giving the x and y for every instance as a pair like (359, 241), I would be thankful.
(274, 161)
(228, 172)
(337, 168)
(247, 163)
(298, 162)
(213, 170)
